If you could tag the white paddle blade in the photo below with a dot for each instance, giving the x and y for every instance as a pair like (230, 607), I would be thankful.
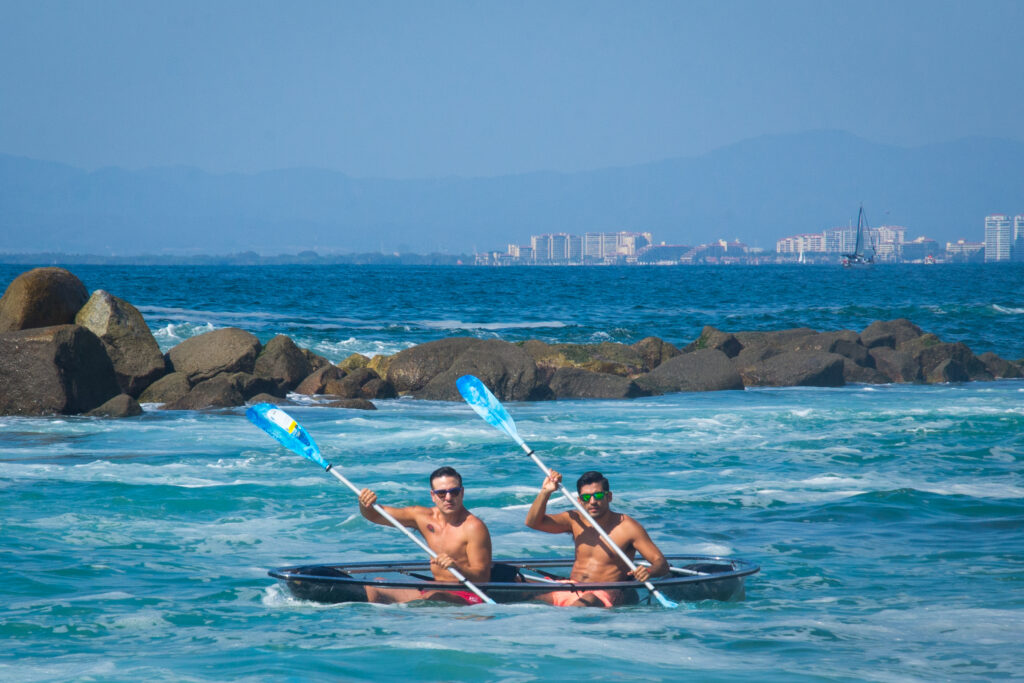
(486, 405)
(286, 430)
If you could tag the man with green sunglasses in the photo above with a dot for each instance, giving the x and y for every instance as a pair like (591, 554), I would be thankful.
(595, 562)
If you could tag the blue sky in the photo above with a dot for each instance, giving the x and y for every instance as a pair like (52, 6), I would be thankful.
(429, 89)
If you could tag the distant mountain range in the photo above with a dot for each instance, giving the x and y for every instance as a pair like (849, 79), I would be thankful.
(756, 191)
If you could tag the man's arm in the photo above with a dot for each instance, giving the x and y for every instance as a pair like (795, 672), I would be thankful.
(650, 552)
(405, 516)
(538, 518)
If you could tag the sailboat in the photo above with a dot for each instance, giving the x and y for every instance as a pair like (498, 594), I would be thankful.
(858, 259)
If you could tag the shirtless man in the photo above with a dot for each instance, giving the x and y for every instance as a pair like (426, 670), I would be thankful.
(457, 536)
(595, 562)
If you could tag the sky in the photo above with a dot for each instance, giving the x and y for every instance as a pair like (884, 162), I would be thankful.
(418, 89)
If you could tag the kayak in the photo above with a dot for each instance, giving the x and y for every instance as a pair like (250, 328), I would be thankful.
(691, 578)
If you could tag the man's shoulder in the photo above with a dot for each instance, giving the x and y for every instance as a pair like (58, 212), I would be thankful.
(474, 523)
(631, 525)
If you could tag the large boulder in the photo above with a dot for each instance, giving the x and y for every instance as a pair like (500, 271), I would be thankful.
(796, 369)
(898, 366)
(121, 405)
(354, 361)
(412, 369)
(889, 333)
(606, 357)
(998, 367)
(317, 381)
(360, 383)
(137, 359)
(63, 369)
(944, 361)
(580, 383)
(167, 389)
(654, 351)
(40, 298)
(854, 373)
(711, 338)
(222, 391)
(505, 368)
(222, 351)
(776, 341)
(283, 363)
(702, 370)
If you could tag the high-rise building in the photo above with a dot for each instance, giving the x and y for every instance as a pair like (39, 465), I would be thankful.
(998, 238)
(541, 245)
(1018, 238)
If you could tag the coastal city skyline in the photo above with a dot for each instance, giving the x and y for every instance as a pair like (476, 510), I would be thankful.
(1003, 241)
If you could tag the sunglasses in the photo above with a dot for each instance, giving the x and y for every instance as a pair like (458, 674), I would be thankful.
(443, 493)
(585, 497)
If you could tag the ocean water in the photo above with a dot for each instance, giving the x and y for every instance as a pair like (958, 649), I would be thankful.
(888, 520)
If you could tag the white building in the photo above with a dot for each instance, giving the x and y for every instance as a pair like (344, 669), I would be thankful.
(998, 238)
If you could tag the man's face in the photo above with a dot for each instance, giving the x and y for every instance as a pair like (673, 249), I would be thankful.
(595, 507)
(450, 498)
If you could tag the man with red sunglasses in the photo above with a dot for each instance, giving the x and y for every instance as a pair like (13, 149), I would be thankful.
(595, 562)
(458, 537)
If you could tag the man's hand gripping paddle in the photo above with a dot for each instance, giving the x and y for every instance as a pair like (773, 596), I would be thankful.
(292, 436)
(487, 406)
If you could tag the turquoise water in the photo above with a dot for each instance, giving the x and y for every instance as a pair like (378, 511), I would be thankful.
(888, 521)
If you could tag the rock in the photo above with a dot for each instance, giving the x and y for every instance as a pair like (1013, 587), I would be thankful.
(167, 389)
(505, 368)
(222, 351)
(63, 369)
(889, 333)
(380, 364)
(654, 352)
(360, 383)
(580, 383)
(412, 369)
(137, 359)
(351, 403)
(999, 368)
(930, 353)
(356, 360)
(701, 370)
(606, 357)
(41, 297)
(898, 366)
(858, 374)
(776, 341)
(121, 405)
(283, 364)
(268, 398)
(947, 371)
(796, 369)
(710, 338)
(315, 361)
(250, 385)
(218, 392)
(317, 381)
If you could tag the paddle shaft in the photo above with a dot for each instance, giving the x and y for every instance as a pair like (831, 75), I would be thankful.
(597, 527)
(398, 525)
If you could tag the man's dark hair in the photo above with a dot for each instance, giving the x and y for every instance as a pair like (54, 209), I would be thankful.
(444, 472)
(592, 477)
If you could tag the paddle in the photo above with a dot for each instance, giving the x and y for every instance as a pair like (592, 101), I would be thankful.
(295, 438)
(487, 406)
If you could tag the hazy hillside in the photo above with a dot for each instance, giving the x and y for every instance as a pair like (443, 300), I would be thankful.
(757, 191)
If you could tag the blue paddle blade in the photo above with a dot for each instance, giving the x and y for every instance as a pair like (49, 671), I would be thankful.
(285, 429)
(486, 405)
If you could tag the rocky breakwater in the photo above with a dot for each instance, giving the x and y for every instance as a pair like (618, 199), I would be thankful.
(63, 351)
(895, 351)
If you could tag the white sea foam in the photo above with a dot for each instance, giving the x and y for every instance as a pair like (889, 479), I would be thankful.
(1007, 310)
(502, 325)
